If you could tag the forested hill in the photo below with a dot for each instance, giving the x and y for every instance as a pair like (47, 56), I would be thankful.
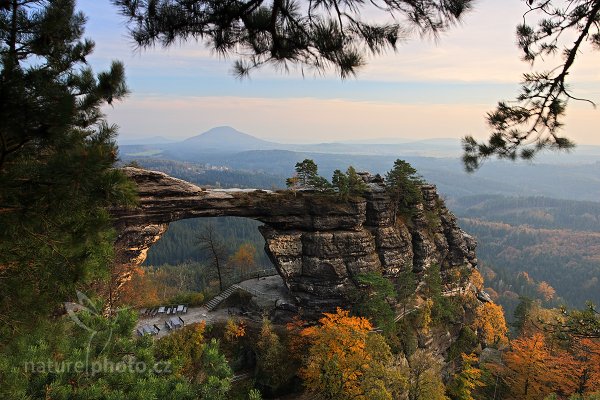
(537, 212)
(553, 241)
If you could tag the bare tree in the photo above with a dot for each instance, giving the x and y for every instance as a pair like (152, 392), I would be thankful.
(210, 242)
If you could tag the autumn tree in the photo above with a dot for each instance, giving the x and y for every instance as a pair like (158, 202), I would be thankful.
(198, 359)
(244, 259)
(425, 381)
(546, 291)
(138, 291)
(186, 345)
(587, 354)
(532, 371)
(346, 361)
(425, 318)
(476, 279)
(490, 325)
(292, 182)
(234, 330)
(526, 371)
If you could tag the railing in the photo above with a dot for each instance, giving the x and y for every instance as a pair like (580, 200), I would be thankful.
(261, 273)
(259, 293)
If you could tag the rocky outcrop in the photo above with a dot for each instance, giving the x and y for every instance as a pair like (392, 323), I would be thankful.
(317, 243)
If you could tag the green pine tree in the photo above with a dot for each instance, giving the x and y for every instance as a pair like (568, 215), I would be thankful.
(57, 155)
(372, 301)
(341, 184)
(306, 172)
(403, 186)
(406, 285)
(319, 35)
(356, 185)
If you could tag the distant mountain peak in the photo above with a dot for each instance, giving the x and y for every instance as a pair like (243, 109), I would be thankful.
(222, 132)
(228, 138)
(224, 129)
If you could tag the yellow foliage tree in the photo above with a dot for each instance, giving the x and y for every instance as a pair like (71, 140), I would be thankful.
(186, 346)
(273, 364)
(425, 315)
(244, 258)
(476, 279)
(425, 377)
(346, 361)
(490, 325)
(234, 330)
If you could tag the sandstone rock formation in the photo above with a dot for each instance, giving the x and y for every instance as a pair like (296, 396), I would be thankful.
(317, 243)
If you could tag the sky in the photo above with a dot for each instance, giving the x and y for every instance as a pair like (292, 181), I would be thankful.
(427, 89)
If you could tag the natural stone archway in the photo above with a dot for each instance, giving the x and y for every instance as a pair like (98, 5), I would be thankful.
(317, 243)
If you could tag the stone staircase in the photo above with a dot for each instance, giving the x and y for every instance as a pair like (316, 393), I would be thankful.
(221, 297)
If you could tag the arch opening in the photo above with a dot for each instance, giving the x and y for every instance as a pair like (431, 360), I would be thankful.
(182, 263)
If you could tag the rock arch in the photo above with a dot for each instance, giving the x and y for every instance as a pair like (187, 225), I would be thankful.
(303, 232)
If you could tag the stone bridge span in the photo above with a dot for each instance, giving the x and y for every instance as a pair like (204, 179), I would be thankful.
(317, 243)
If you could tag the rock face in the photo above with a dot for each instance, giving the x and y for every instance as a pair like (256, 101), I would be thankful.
(317, 243)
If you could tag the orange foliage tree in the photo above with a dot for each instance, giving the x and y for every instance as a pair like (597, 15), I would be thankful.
(139, 290)
(234, 330)
(546, 291)
(532, 371)
(490, 325)
(346, 361)
(244, 258)
(587, 354)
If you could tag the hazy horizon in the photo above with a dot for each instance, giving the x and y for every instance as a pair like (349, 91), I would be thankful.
(429, 89)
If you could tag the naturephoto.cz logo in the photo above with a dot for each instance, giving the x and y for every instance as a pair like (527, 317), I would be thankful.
(101, 366)
(95, 360)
